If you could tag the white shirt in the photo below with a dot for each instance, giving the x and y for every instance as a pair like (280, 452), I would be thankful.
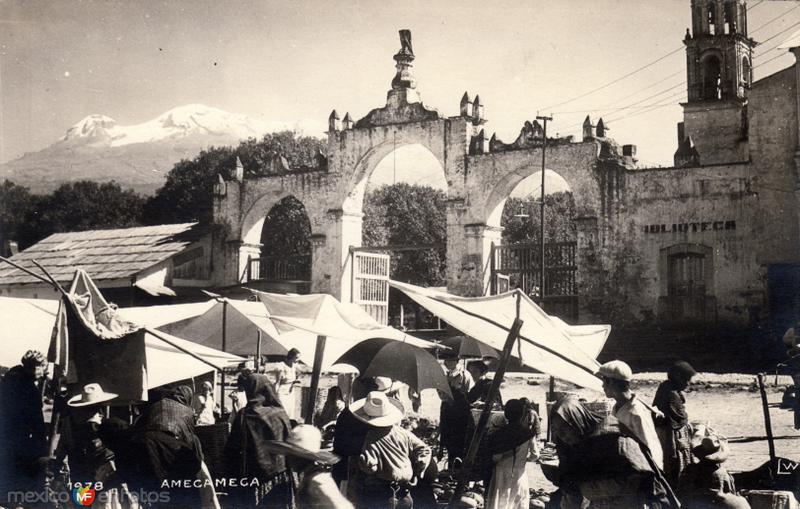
(639, 420)
(284, 376)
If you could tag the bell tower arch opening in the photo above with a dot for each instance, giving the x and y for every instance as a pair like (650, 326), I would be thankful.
(712, 77)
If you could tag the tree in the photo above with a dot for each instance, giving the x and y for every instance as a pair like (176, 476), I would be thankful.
(405, 214)
(186, 196)
(187, 193)
(16, 202)
(79, 206)
(559, 219)
(287, 230)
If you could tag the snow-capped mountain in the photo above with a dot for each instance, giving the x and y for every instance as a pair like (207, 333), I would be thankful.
(139, 155)
(181, 122)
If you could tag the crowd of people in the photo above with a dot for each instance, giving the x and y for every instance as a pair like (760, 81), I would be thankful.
(639, 456)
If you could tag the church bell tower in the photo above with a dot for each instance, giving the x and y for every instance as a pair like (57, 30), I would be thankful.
(719, 72)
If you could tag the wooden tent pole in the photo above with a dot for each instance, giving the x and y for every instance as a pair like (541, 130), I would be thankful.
(312, 397)
(767, 419)
(224, 323)
(480, 429)
(28, 271)
(182, 349)
(258, 351)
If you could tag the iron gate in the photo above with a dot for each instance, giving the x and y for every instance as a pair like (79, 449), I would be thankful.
(371, 284)
(519, 266)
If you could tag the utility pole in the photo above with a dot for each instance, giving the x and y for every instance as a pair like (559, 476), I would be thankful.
(544, 120)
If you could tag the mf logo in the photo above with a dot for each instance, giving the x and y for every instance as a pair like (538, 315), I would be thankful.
(787, 467)
(83, 496)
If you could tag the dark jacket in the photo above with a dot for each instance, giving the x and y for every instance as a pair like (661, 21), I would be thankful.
(670, 400)
(23, 435)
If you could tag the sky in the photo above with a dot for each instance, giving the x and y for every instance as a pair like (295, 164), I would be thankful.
(295, 61)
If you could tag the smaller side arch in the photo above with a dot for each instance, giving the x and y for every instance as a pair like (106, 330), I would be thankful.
(253, 221)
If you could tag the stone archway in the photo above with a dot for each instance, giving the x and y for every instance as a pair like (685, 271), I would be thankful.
(480, 174)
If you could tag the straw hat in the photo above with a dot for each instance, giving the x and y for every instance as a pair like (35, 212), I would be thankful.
(304, 441)
(616, 370)
(92, 394)
(711, 449)
(378, 410)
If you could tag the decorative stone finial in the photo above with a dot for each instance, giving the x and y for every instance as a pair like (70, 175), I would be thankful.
(403, 79)
(479, 143)
(276, 164)
(601, 129)
(333, 122)
(587, 128)
(347, 121)
(477, 110)
(466, 106)
(238, 172)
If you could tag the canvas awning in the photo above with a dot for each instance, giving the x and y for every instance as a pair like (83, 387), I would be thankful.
(27, 324)
(546, 344)
(243, 321)
(301, 318)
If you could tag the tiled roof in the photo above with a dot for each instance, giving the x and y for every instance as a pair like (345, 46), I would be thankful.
(103, 254)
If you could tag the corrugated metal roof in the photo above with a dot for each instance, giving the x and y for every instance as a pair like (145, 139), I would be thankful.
(103, 254)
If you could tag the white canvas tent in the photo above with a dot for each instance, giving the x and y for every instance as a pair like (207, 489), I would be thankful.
(242, 321)
(300, 319)
(27, 324)
(285, 322)
(546, 343)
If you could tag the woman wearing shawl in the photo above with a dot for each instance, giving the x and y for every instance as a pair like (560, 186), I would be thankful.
(332, 408)
(247, 455)
(674, 430)
(455, 417)
(512, 446)
(165, 448)
(597, 463)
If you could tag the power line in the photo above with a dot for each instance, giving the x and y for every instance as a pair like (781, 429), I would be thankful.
(610, 109)
(781, 32)
(770, 60)
(776, 18)
(648, 87)
(631, 73)
(614, 81)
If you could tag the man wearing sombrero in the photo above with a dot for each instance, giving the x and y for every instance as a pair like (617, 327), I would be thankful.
(392, 458)
(316, 488)
(85, 441)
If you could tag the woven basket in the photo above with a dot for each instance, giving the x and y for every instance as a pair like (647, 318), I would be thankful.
(213, 439)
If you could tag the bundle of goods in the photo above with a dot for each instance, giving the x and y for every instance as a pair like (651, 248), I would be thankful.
(424, 428)
(540, 499)
(445, 486)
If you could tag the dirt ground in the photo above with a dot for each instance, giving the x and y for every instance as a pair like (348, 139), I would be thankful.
(729, 403)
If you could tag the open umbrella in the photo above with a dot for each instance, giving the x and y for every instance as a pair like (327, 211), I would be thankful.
(466, 346)
(399, 361)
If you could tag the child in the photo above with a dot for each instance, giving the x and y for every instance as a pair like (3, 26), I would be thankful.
(708, 483)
